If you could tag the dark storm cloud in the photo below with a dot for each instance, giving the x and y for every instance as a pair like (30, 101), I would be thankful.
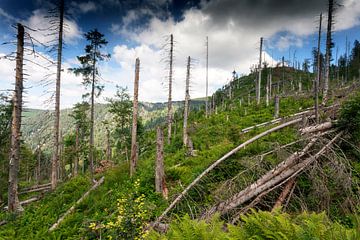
(262, 12)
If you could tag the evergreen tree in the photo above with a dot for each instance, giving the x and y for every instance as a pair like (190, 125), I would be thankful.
(89, 71)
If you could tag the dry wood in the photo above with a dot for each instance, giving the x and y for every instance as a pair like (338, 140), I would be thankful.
(14, 161)
(260, 186)
(37, 186)
(207, 78)
(25, 202)
(133, 156)
(317, 128)
(227, 155)
(55, 157)
(170, 117)
(285, 192)
(328, 50)
(186, 106)
(159, 167)
(40, 189)
(258, 89)
(277, 106)
(317, 80)
(98, 183)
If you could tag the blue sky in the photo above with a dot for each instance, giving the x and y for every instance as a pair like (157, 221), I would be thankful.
(136, 28)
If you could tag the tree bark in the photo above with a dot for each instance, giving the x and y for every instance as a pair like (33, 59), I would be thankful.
(328, 50)
(159, 171)
(186, 105)
(277, 106)
(77, 144)
(264, 184)
(317, 81)
(55, 157)
(285, 192)
(14, 162)
(170, 88)
(207, 77)
(258, 96)
(133, 156)
(108, 145)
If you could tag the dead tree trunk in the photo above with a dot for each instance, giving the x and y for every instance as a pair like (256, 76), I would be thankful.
(186, 105)
(261, 185)
(55, 158)
(77, 144)
(258, 90)
(267, 90)
(13, 199)
(133, 156)
(108, 145)
(317, 81)
(328, 50)
(277, 106)
(207, 77)
(170, 88)
(159, 171)
(38, 176)
(285, 192)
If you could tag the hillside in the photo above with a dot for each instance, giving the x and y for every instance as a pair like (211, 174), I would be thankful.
(37, 124)
(212, 138)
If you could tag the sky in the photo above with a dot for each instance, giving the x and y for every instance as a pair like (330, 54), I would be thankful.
(141, 28)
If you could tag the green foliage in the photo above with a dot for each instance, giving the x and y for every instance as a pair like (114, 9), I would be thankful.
(349, 119)
(260, 225)
(129, 220)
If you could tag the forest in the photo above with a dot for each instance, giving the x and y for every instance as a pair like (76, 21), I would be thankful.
(272, 154)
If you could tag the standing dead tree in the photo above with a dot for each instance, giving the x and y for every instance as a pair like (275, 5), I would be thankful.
(329, 45)
(55, 159)
(133, 156)
(186, 105)
(170, 114)
(317, 80)
(13, 199)
(258, 89)
(160, 184)
(207, 78)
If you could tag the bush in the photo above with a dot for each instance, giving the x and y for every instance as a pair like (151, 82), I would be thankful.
(349, 119)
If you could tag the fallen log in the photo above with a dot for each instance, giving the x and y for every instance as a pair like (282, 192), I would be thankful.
(285, 192)
(36, 186)
(55, 225)
(25, 202)
(317, 128)
(46, 188)
(260, 186)
(227, 155)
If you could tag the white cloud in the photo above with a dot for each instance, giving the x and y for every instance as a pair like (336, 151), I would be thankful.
(38, 22)
(84, 7)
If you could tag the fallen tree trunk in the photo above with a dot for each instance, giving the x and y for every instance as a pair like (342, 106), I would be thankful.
(217, 162)
(25, 202)
(47, 188)
(317, 128)
(260, 186)
(98, 183)
(36, 186)
(285, 192)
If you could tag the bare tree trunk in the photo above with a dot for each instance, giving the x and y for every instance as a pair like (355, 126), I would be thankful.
(13, 199)
(159, 172)
(108, 145)
(77, 143)
(133, 156)
(270, 83)
(317, 81)
(259, 76)
(328, 50)
(170, 88)
(186, 105)
(267, 90)
(285, 192)
(38, 179)
(207, 77)
(55, 157)
(277, 106)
